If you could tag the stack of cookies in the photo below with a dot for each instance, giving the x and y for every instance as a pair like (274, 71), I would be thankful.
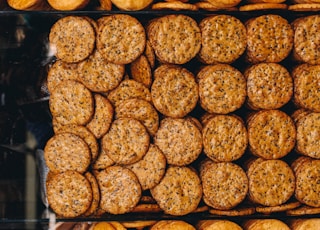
(143, 130)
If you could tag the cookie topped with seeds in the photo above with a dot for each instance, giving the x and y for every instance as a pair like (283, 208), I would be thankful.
(176, 39)
(71, 103)
(174, 91)
(269, 38)
(121, 38)
(223, 40)
(73, 38)
(180, 140)
(127, 141)
(69, 194)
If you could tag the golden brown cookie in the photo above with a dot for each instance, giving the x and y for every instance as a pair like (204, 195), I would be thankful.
(306, 39)
(102, 117)
(103, 161)
(127, 141)
(140, 110)
(172, 225)
(105, 4)
(71, 103)
(270, 38)
(238, 211)
(263, 6)
(269, 86)
(139, 224)
(271, 182)
(304, 7)
(69, 194)
(217, 224)
(61, 71)
(217, 178)
(174, 91)
(306, 93)
(225, 138)
(67, 151)
(278, 208)
(272, 134)
(127, 89)
(121, 38)
(99, 75)
(176, 39)
(264, 224)
(223, 39)
(151, 168)
(26, 4)
(141, 71)
(224, 3)
(150, 55)
(204, 5)
(120, 189)
(174, 5)
(131, 5)
(68, 5)
(222, 88)
(73, 38)
(95, 194)
(303, 210)
(305, 224)
(180, 140)
(179, 191)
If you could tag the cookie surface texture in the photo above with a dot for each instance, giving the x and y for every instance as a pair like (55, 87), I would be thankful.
(174, 91)
(73, 38)
(121, 38)
(176, 39)
(171, 225)
(223, 39)
(120, 189)
(69, 194)
(71, 103)
(179, 191)
(127, 141)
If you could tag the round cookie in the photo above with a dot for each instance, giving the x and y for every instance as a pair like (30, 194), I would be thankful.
(180, 140)
(305, 224)
(126, 142)
(176, 39)
(264, 224)
(69, 194)
(73, 38)
(269, 38)
(179, 192)
(172, 225)
(99, 75)
(223, 39)
(150, 169)
(71, 103)
(119, 188)
(269, 86)
(225, 138)
(174, 91)
(95, 194)
(217, 224)
(141, 71)
(222, 88)
(217, 178)
(121, 38)
(272, 134)
(67, 151)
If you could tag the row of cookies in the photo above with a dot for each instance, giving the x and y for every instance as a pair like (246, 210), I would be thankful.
(177, 39)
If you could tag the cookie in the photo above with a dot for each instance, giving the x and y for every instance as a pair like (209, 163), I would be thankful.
(303, 211)
(278, 208)
(174, 91)
(174, 5)
(217, 224)
(224, 3)
(269, 86)
(263, 6)
(119, 188)
(68, 6)
(73, 38)
(223, 39)
(150, 55)
(264, 224)
(140, 110)
(141, 71)
(179, 191)
(241, 211)
(131, 5)
(225, 138)
(99, 75)
(180, 140)
(60, 71)
(272, 134)
(305, 224)
(95, 194)
(269, 38)
(150, 169)
(126, 142)
(217, 178)
(67, 151)
(306, 40)
(71, 103)
(222, 88)
(103, 161)
(176, 39)
(121, 38)
(172, 225)
(127, 89)
(306, 94)
(304, 7)
(271, 182)
(102, 117)
(69, 194)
